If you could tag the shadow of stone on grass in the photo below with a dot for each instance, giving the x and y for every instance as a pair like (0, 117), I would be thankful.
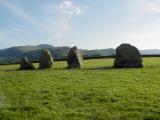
(100, 68)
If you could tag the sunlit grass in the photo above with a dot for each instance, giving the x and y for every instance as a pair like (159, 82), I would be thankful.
(97, 92)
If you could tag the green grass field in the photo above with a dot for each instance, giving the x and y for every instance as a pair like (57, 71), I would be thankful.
(97, 92)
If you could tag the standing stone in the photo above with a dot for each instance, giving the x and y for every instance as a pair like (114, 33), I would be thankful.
(75, 59)
(127, 56)
(46, 60)
(25, 64)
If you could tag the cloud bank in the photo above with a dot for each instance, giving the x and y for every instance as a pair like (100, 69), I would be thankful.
(60, 25)
(56, 24)
(146, 22)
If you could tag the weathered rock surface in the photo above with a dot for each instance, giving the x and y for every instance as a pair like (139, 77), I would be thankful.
(128, 56)
(75, 59)
(46, 60)
(25, 64)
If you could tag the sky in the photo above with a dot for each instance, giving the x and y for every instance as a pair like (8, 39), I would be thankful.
(88, 24)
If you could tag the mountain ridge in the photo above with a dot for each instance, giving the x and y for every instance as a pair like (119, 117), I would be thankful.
(14, 54)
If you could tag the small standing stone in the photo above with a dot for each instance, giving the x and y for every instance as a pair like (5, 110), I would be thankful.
(75, 59)
(46, 60)
(25, 64)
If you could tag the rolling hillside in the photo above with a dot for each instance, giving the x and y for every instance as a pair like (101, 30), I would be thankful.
(14, 54)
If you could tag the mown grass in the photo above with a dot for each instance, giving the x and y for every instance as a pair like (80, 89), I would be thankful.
(97, 92)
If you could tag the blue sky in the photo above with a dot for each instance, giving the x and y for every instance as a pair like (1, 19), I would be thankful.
(89, 24)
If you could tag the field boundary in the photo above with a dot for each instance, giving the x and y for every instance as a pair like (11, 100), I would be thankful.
(86, 58)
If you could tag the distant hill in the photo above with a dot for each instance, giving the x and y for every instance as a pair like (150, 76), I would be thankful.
(150, 52)
(14, 54)
(99, 52)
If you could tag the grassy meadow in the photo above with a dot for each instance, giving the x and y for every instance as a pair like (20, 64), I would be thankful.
(98, 92)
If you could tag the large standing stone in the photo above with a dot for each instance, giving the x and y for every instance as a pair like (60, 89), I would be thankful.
(46, 60)
(128, 56)
(75, 59)
(25, 64)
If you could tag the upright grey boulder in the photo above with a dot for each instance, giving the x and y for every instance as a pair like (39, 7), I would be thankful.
(75, 59)
(25, 64)
(128, 56)
(46, 60)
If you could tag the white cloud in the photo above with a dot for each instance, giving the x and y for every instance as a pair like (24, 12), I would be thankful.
(145, 5)
(55, 21)
(154, 8)
(146, 19)
(145, 39)
(69, 8)
(151, 5)
(60, 25)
